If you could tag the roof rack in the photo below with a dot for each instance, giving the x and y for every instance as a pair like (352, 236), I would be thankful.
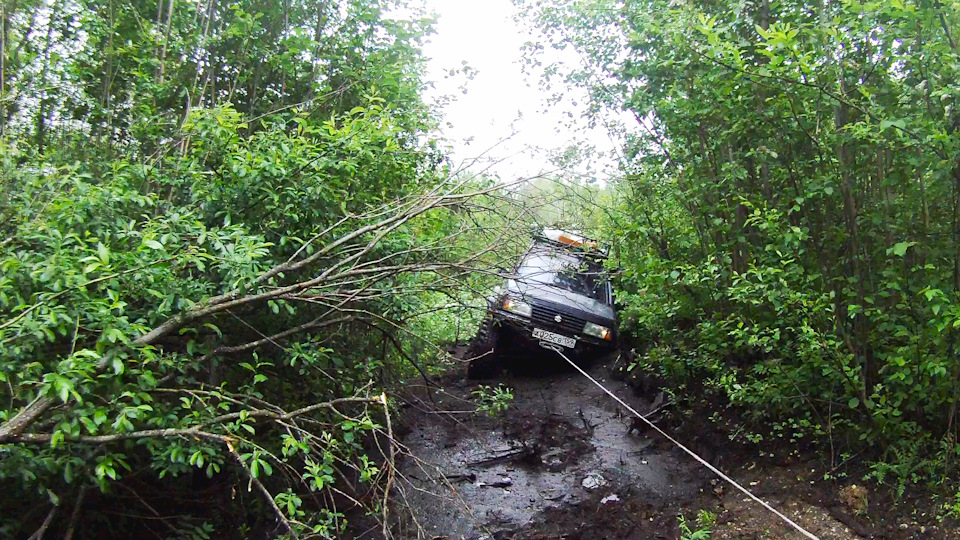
(572, 241)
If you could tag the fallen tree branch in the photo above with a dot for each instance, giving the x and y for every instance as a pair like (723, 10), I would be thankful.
(337, 270)
(45, 438)
(196, 431)
(391, 466)
(75, 515)
(38, 534)
(399, 347)
(312, 325)
(266, 493)
(521, 452)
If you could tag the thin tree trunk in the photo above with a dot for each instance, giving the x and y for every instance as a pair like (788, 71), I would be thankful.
(252, 92)
(202, 54)
(850, 211)
(214, 71)
(951, 342)
(158, 23)
(166, 42)
(44, 82)
(4, 28)
(318, 33)
(283, 69)
(106, 77)
(924, 213)
(10, 59)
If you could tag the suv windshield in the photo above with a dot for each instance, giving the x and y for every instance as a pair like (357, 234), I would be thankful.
(564, 271)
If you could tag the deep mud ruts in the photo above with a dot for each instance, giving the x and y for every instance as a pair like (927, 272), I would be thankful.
(561, 457)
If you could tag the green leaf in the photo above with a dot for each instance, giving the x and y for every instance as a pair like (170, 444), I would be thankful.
(853, 403)
(214, 328)
(900, 248)
(89, 424)
(63, 386)
(900, 124)
(104, 253)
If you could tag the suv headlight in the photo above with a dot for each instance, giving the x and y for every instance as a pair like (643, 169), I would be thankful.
(596, 330)
(515, 306)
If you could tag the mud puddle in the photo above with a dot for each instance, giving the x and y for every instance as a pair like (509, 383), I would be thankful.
(561, 447)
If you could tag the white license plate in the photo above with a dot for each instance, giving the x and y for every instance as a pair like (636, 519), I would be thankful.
(550, 337)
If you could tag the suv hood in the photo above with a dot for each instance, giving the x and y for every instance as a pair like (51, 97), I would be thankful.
(556, 295)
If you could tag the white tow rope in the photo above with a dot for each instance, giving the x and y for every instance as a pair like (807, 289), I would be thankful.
(731, 481)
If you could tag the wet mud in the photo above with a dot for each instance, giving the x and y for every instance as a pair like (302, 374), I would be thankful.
(562, 446)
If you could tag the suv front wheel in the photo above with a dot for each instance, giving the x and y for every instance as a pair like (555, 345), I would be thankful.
(484, 359)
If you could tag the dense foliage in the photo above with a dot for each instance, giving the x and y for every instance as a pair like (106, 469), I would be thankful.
(227, 233)
(790, 212)
(222, 224)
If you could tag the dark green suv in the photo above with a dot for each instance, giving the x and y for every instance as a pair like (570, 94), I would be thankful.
(559, 295)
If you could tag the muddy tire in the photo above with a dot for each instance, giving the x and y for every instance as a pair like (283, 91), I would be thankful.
(484, 360)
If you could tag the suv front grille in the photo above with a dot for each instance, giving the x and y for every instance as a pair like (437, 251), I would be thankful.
(544, 317)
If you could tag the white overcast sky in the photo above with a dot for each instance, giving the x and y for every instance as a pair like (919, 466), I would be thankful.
(501, 101)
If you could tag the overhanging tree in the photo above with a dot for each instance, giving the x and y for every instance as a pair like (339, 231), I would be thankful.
(218, 218)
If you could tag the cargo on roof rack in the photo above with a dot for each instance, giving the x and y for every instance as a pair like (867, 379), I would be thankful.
(571, 240)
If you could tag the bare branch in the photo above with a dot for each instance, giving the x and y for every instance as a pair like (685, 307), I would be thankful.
(38, 534)
(75, 516)
(266, 494)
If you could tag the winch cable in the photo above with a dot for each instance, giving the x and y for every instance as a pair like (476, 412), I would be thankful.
(731, 481)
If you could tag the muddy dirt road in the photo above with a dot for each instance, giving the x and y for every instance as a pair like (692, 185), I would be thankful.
(561, 444)
(562, 462)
